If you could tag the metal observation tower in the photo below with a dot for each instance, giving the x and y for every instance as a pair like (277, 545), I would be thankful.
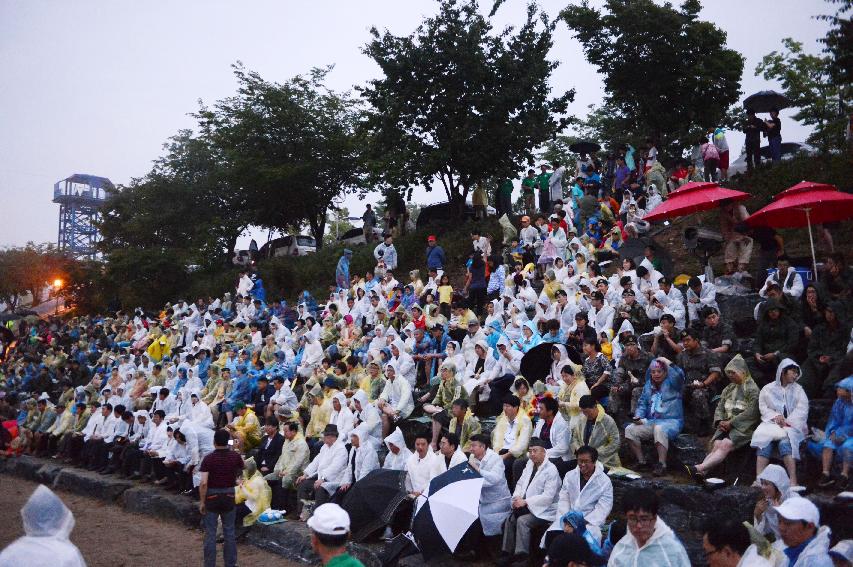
(80, 198)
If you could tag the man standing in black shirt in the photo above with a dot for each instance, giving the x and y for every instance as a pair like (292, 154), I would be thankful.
(753, 128)
(219, 471)
(774, 135)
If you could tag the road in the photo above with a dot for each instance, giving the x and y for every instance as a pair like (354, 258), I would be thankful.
(108, 536)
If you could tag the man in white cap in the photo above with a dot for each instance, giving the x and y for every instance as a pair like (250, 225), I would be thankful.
(803, 540)
(329, 533)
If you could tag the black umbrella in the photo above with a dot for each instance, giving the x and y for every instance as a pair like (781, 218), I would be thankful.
(787, 148)
(372, 501)
(447, 510)
(585, 147)
(536, 363)
(765, 101)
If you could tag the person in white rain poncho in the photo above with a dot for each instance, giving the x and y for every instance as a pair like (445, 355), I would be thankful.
(398, 454)
(495, 497)
(593, 498)
(367, 416)
(200, 412)
(362, 457)
(649, 542)
(403, 362)
(47, 525)
(341, 415)
(775, 488)
(784, 409)
(395, 403)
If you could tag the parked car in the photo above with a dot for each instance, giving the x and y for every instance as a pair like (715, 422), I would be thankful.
(355, 236)
(789, 150)
(288, 245)
(444, 211)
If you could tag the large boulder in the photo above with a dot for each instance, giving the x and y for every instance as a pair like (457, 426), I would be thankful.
(24, 466)
(161, 504)
(92, 484)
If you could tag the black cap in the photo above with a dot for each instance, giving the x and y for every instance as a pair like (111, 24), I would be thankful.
(331, 429)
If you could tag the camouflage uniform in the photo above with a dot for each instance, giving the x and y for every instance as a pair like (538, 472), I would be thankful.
(697, 365)
(623, 390)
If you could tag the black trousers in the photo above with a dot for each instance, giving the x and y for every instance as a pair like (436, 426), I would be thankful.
(131, 459)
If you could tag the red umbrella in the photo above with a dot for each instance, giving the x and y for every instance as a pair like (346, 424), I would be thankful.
(804, 204)
(694, 198)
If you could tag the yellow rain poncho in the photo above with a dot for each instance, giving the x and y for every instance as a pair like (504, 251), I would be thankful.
(254, 492)
(158, 349)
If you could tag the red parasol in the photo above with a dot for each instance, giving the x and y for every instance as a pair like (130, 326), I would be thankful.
(804, 204)
(693, 198)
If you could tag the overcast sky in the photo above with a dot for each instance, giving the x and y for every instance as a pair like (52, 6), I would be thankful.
(97, 87)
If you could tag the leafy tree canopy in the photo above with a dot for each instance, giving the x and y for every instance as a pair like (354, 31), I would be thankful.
(291, 147)
(807, 81)
(666, 73)
(459, 103)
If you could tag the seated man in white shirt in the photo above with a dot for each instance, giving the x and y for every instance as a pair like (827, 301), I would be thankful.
(283, 396)
(448, 456)
(419, 465)
(324, 475)
(534, 503)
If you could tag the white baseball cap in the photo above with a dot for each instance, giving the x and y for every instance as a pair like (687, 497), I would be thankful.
(799, 508)
(329, 519)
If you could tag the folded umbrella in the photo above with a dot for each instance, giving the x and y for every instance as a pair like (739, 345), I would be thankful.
(445, 512)
(804, 204)
(372, 501)
(765, 101)
(536, 363)
(694, 198)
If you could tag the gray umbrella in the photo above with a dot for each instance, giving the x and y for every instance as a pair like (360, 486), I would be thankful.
(765, 101)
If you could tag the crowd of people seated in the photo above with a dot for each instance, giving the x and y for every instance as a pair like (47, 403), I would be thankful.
(420, 377)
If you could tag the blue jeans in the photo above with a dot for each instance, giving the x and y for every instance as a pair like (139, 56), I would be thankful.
(783, 448)
(775, 148)
(229, 551)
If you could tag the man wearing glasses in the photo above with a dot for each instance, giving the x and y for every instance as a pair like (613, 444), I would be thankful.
(649, 540)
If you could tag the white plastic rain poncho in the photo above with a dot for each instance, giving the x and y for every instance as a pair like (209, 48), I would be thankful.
(792, 403)
(661, 550)
(769, 522)
(47, 523)
(396, 462)
(594, 500)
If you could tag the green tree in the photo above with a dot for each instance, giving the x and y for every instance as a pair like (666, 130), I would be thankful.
(292, 146)
(807, 82)
(458, 103)
(665, 71)
(186, 205)
(338, 223)
(30, 270)
(838, 43)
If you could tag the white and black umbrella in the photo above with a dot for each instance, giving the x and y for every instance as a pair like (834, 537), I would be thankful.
(445, 512)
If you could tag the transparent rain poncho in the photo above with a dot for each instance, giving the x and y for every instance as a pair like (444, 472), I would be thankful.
(47, 523)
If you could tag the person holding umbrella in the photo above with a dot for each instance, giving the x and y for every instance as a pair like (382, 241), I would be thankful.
(774, 135)
(753, 128)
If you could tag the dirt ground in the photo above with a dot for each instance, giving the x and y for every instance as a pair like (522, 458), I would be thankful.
(108, 536)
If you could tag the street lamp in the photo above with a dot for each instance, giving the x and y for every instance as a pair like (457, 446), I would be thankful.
(57, 285)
